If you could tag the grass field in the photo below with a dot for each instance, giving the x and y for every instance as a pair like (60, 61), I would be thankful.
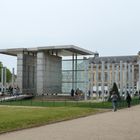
(29, 113)
(15, 118)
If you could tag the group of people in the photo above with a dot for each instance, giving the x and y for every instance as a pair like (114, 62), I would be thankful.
(13, 91)
(115, 98)
(77, 92)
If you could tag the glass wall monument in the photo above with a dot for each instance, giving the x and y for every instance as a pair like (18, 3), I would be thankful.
(39, 69)
(74, 75)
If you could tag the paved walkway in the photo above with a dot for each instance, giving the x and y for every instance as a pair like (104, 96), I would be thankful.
(121, 125)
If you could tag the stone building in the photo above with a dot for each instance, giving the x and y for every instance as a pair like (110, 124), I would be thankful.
(123, 70)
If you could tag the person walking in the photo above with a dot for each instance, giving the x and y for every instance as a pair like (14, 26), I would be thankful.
(72, 92)
(128, 99)
(114, 98)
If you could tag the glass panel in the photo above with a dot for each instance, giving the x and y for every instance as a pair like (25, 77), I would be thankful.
(66, 87)
(67, 76)
(67, 65)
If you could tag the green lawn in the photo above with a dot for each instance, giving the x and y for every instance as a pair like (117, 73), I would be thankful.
(15, 118)
(89, 104)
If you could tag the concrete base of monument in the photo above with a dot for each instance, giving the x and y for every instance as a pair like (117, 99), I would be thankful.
(15, 97)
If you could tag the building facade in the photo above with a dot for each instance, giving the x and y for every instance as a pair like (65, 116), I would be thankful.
(123, 70)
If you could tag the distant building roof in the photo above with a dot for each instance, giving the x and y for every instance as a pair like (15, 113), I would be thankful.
(114, 59)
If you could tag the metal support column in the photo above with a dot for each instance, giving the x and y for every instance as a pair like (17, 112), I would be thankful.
(86, 78)
(73, 72)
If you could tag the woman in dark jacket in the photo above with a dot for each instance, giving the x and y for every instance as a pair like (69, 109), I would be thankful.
(128, 99)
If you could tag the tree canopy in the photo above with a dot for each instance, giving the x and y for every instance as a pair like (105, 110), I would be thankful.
(8, 73)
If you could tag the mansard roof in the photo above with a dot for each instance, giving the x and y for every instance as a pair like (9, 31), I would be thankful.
(114, 59)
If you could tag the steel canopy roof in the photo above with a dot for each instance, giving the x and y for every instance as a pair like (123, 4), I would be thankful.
(63, 50)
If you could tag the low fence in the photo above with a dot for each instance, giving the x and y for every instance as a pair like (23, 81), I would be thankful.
(44, 102)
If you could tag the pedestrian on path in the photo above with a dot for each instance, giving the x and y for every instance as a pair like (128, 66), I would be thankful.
(114, 98)
(72, 92)
(128, 99)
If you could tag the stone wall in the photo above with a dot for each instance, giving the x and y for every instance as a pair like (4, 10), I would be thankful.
(49, 69)
(26, 72)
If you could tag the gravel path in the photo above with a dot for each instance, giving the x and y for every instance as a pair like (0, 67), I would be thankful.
(121, 125)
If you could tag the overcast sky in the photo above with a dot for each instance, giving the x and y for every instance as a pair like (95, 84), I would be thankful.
(111, 27)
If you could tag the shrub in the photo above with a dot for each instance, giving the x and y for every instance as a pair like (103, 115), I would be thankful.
(115, 89)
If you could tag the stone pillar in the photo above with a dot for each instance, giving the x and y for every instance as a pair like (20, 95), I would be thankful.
(97, 85)
(40, 72)
(102, 79)
(3, 79)
(116, 75)
(125, 78)
(113, 74)
(20, 70)
(121, 78)
(49, 77)
(129, 78)
(91, 79)
(2, 85)
(132, 80)
(108, 78)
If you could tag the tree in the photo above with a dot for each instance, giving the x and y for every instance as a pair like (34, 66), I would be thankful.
(8, 73)
(115, 89)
